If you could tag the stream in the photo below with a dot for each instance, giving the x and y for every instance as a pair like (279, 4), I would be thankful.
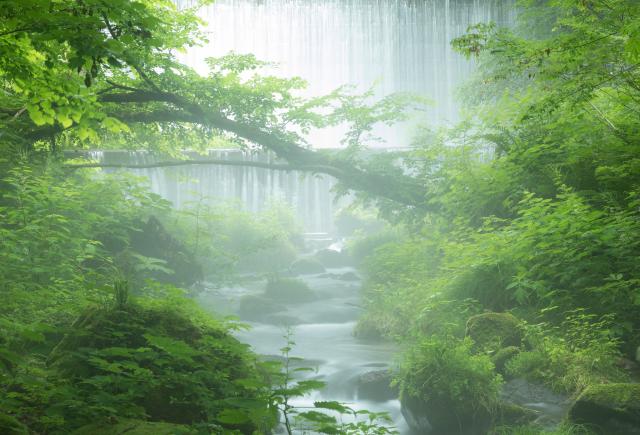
(323, 333)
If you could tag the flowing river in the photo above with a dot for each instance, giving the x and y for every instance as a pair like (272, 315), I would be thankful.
(323, 333)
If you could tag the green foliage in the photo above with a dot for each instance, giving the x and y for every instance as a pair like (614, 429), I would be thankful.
(492, 331)
(570, 357)
(445, 372)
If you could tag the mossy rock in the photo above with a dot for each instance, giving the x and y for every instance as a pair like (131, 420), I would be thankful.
(288, 290)
(609, 408)
(257, 307)
(158, 362)
(10, 425)
(306, 266)
(135, 427)
(493, 331)
(443, 418)
(501, 357)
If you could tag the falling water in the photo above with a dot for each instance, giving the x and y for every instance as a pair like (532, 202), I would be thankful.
(397, 45)
(254, 188)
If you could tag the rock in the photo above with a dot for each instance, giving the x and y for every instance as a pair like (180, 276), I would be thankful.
(331, 258)
(501, 357)
(288, 290)
(493, 331)
(509, 414)
(638, 354)
(256, 308)
(10, 425)
(609, 408)
(135, 427)
(349, 276)
(376, 386)
(438, 418)
(306, 266)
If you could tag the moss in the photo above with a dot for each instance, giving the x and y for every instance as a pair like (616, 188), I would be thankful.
(289, 290)
(493, 331)
(502, 356)
(306, 266)
(10, 425)
(135, 427)
(611, 408)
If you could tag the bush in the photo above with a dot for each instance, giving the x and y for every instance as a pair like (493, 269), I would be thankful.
(154, 362)
(456, 388)
(579, 353)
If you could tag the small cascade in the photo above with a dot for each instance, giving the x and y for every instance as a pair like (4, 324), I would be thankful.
(254, 188)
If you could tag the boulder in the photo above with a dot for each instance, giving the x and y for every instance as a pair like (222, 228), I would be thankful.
(288, 290)
(376, 386)
(306, 266)
(609, 408)
(439, 418)
(493, 331)
(256, 308)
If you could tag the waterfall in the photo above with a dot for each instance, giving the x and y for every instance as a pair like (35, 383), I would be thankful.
(397, 45)
(254, 188)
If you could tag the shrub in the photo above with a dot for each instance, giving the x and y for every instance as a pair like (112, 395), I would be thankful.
(578, 353)
(454, 386)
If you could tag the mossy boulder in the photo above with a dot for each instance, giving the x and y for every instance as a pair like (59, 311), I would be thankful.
(502, 356)
(376, 386)
(306, 266)
(135, 427)
(10, 425)
(609, 408)
(257, 307)
(288, 290)
(160, 362)
(493, 331)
